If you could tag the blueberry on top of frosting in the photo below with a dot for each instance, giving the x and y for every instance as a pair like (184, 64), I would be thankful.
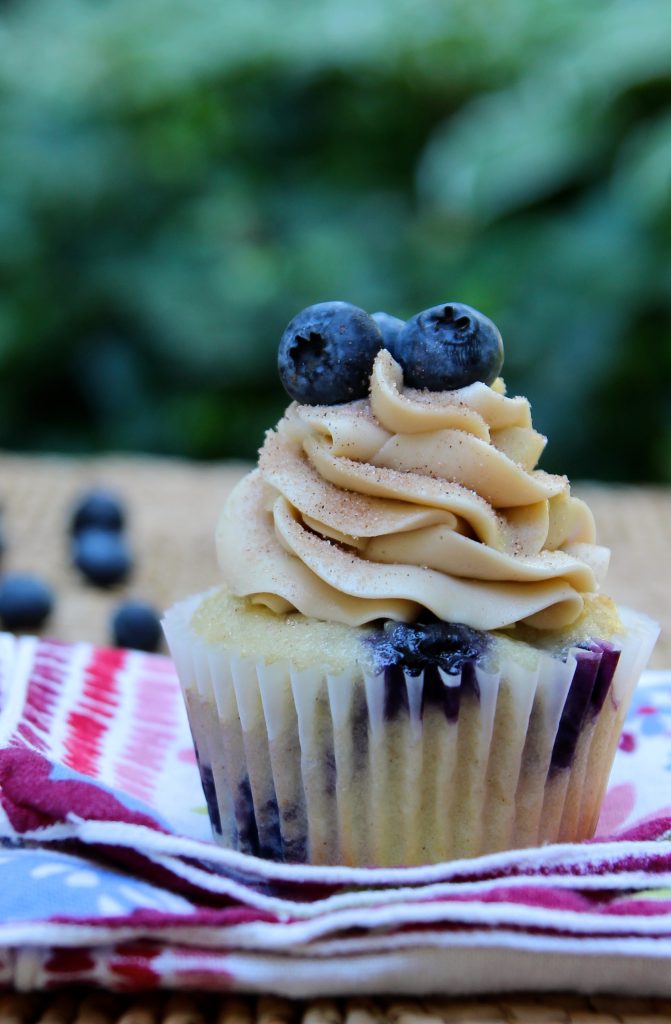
(390, 328)
(448, 347)
(326, 353)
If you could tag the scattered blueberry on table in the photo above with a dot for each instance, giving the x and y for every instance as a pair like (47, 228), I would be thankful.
(137, 625)
(102, 556)
(25, 601)
(99, 508)
(100, 551)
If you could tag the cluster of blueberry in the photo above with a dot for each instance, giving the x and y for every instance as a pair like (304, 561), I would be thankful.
(100, 552)
(327, 351)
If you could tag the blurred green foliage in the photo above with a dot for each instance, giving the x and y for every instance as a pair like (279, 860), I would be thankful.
(177, 179)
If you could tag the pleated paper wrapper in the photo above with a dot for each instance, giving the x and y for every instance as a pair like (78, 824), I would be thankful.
(303, 766)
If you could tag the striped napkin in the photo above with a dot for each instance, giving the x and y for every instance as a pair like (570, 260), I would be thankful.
(109, 876)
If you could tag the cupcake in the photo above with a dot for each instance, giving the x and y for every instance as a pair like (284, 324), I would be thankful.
(409, 658)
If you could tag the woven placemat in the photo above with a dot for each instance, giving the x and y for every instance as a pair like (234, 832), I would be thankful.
(173, 507)
(176, 1008)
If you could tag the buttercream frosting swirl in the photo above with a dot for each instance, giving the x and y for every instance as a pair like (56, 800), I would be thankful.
(411, 500)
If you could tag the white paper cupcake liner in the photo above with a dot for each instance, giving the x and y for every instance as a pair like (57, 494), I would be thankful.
(392, 769)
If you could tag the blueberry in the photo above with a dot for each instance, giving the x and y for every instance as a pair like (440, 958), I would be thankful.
(448, 347)
(102, 556)
(136, 625)
(327, 353)
(395, 702)
(210, 793)
(99, 508)
(25, 602)
(390, 328)
(575, 710)
(416, 646)
(245, 819)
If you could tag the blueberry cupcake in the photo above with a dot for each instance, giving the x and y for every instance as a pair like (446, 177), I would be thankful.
(409, 658)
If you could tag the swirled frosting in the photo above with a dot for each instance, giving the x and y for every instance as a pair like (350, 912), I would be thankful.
(411, 500)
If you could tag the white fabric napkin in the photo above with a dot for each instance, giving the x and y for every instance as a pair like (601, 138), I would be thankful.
(110, 877)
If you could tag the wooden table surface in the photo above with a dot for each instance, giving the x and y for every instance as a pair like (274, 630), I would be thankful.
(173, 508)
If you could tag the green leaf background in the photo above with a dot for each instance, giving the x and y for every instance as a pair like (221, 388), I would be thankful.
(178, 179)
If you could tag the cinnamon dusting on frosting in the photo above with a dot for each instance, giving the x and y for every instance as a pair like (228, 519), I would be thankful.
(406, 501)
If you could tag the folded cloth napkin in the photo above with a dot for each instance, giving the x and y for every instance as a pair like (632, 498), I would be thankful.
(109, 876)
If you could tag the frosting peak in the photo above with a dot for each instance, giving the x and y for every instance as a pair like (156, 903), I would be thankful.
(410, 500)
